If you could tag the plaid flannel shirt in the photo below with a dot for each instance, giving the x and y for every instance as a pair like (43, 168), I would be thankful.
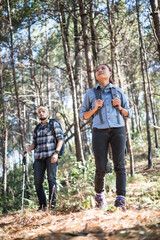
(44, 141)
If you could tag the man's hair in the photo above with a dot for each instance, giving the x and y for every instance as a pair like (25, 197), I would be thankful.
(43, 107)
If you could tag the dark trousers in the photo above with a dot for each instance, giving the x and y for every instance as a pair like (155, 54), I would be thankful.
(39, 172)
(100, 141)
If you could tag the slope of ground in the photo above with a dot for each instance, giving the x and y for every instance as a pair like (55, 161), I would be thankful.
(90, 224)
(141, 220)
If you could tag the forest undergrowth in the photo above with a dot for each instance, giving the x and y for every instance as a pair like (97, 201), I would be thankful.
(75, 216)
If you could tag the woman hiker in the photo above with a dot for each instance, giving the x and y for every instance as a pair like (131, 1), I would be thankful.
(108, 111)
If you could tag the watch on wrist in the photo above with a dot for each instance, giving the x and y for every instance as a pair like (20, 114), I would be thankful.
(56, 151)
(121, 110)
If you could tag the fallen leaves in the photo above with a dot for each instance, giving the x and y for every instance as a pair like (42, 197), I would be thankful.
(30, 225)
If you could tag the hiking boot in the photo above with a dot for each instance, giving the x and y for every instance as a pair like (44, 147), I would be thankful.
(100, 200)
(42, 208)
(120, 203)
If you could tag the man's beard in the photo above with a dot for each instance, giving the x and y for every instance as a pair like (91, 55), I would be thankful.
(43, 118)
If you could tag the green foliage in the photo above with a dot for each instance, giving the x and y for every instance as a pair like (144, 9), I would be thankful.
(136, 177)
(13, 199)
(76, 185)
(76, 188)
(157, 152)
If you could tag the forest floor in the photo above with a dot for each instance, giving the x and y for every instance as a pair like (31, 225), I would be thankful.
(140, 221)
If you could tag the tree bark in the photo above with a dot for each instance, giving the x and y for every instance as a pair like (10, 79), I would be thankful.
(36, 98)
(78, 75)
(14, 77)
(47, 71)
(4, 135)
(144, 88)
(78, 59)
(16, 86)
(136, 111)
(78, 142)
(155, 5)
(116, 64)
(126, 122)
(112, 40)
(88, 56)
(94, 40)
(151, 102)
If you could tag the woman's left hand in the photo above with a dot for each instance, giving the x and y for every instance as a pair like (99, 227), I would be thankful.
(116, 102)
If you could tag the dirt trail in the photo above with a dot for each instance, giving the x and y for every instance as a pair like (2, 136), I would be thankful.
(138, 222)
(90, 224)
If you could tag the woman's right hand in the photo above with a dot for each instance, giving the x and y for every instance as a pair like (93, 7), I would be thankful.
(98, 104)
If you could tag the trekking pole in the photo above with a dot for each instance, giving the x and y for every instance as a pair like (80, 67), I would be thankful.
(53, 192)
(24, 171)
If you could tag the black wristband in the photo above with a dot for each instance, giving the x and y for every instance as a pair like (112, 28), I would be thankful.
(121, 110)
(56, 151)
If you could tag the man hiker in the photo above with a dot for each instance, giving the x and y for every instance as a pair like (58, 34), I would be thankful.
(47, 142)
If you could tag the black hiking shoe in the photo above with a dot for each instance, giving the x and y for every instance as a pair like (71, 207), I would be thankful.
(120, 203)
(42, 208)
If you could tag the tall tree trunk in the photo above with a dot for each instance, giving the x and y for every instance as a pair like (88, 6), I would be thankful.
(88, 56)
(4, 135)
(15, 85)
(47, 70)
(136, 111)
(126, 122)
(79, 150)
(112, 40)
(78, 59)
(78, 76)
(14, 77)
(151, 102)
(134, 102)
(116, 64)
(144, 88)
(33, 81)
(155, 5)
(94, 40)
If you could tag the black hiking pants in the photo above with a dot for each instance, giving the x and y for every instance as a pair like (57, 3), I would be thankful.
(39, 172)
(100, 141)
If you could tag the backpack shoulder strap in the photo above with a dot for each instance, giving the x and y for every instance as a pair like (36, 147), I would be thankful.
(114, 92)
(51, 124)
(97, 92)
(114, 95)
(36, 128)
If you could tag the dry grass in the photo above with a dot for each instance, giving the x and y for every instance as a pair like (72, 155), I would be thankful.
(90, 222)
(141, 220)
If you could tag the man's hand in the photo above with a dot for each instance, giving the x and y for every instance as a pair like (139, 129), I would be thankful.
(24, 153)
(29, 149)
(54, 157)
